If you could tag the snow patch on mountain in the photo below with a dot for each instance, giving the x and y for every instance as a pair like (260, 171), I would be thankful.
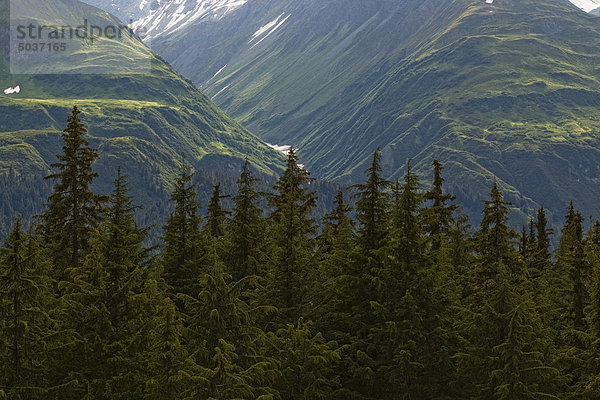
(266, 30)
(171, 16)
(283, 149)
(219, 71)
(11, 90)
(587, 5)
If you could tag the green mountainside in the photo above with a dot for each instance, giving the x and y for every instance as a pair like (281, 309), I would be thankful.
(505, 92)
(142, 122)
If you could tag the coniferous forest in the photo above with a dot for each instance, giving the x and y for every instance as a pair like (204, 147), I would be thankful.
(397, 297)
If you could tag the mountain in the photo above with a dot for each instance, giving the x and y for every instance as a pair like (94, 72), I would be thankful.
(504, 91)
(127, 11)
(140, 121)
(591, 6)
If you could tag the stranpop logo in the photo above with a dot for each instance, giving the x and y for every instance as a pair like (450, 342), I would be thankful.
(66, 37)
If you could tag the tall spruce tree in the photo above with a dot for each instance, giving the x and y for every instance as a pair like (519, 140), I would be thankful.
(593, 260)
(487, 301)
(306, 362)
(372, 206)
(571, 260)
(332, 293)
(409, 342)
(571, 298)
(182, 241)
(25, 324)
(292, 230)
(520, 363)
(543, 255)
(246, 253)
(440, 215)
(74, 211)
(109, 302)
(171, 371)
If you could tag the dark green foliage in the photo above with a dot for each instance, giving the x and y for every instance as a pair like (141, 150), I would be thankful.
(217, 216)
(292, 228)
(226, 339)
(305, 364)
(372, 207)
(110, 302)
(26, 340)
(251, 308)
(73, 209)
(572, 263)
(182, 236)
(440, 215)
(245, 253)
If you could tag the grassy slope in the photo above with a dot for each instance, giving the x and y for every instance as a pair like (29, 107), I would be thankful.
(142, 122)
(506, 92)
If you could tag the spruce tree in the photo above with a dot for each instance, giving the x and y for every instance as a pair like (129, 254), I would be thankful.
(25, 324)
(520, 363)
(572, 263)
(332, 293)
(74, 211)
(182, 241)
(292, 230)
(109, 302)
(224, 335)
(306, 362)
(543, 255)
(217, 216)
(372, 207)
(486, 300)
(409, 342)
(495, 239)
(246, 253)
(593, 260)
(169, 367)
(440, 215)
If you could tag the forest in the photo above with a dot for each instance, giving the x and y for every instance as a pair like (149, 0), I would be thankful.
(396, 297)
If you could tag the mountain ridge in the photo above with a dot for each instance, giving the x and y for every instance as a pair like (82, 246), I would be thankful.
(495, 91)
(142, 122)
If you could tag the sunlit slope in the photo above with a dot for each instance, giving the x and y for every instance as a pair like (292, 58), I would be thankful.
(506, 92)
(144, 122)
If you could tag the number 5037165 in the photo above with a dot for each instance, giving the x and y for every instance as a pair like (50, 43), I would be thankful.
(42, 47)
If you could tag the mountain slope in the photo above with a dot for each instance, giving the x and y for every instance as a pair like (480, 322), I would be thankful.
(143, 122)
(506, 91)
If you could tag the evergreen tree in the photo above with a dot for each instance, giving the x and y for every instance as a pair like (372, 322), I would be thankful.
(409, 342)
(520, 369)
(332, 293)
(372, 207)
(170, 369)
(74, 211)
(217, 216)
(110, 302)
(25, 324)
(543, 255)
(292, 230)
(441, 211)
(306, 363)
(182, 242)
(246, 252)
(593, 260)
(487, 302)
(571, 260)
(495, 238)
(226, 339)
